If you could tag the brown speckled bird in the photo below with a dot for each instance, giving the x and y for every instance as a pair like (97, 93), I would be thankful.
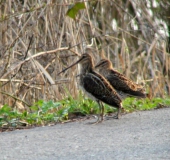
(124, 86)
(96, 86)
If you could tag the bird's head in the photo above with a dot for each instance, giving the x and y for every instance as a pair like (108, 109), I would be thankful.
(85, 60)
(103, 64)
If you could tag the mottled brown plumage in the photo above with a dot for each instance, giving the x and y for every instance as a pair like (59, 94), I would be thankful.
(124, 86)
(96, 86)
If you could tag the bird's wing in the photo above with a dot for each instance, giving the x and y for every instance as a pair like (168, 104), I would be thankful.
(100, 89)
(120, 82)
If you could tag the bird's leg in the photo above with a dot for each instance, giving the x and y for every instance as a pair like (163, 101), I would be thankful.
(117, 116)
(102, 111)
(101, 108)
(119, 112)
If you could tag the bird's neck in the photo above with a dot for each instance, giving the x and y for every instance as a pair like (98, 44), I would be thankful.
(86, 68)
(104, 71)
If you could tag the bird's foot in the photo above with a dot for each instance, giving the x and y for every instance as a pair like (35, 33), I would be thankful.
(96, 122)
(114, 117)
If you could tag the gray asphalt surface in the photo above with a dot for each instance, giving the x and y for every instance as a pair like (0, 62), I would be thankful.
(136, 136)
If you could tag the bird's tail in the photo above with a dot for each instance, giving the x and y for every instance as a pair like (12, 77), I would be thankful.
(138, 94)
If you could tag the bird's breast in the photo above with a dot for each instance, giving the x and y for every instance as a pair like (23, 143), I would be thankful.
(81, 85)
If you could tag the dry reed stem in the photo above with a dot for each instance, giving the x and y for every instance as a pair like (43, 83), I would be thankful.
(58, 40)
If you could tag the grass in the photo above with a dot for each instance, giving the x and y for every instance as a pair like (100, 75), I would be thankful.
(46, 113)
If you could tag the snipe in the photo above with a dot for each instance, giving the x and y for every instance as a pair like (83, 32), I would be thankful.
(124, 86)
(96, 86)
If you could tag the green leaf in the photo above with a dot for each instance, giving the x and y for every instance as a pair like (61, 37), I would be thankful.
(74, 9)
(34, 108)
(2, 118)
(5, 109)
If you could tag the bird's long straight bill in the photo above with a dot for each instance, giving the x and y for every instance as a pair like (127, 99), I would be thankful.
(70, 66)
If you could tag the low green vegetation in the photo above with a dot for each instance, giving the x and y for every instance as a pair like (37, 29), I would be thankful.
(45, 113)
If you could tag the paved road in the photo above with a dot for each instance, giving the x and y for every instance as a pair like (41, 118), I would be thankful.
(136, 136)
